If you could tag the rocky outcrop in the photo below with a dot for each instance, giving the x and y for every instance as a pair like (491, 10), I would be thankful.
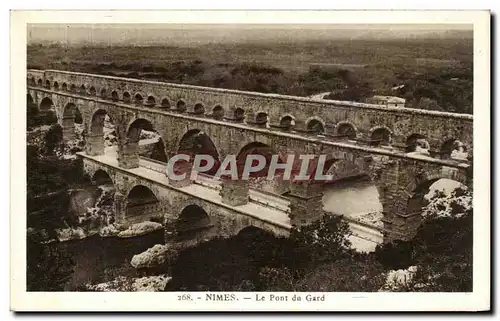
(454, 205)
(399, 280)
(140, 229)
(154, 256)
(129, 284)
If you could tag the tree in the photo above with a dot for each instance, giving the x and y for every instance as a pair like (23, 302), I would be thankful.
(53, 139)
(48, 268)
(321, 241)
(355, 89)
(31, 116)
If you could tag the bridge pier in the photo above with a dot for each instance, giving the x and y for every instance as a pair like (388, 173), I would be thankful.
(68, 127)
(300, 125)
(402, 212)
(401, 227)
(399, 141)
(234, 192)
(306, 204)
(120, 202)
(183, 182)
(128, 156)
(94, 144)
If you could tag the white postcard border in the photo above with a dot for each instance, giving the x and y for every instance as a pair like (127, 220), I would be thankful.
(479, 299)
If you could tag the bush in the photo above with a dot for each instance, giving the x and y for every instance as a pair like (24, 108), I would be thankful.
(47, 117)
(396, 255)
(53, 139)
(31, 116)
(255, 260)
(324, 240)
(345, 275)
(48, 268)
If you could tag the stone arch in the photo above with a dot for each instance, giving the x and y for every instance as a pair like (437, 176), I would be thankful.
(315, 125)
(451, 147)
(64, 86)
(78, 117)
(101, 177)
(95, 142)
(150, 101)
(236, 114)
(192, 223)
(254, 238)
(416, 142)
(72, 88)
(103, 93)
(287, 122)
(253, 231)
(198, 109)
(33, 81)
(115, 96)
(165, 103)
(180, 106)
(342, 168)
(83, 89)
(56, 85)
(70, 111)
(138, 99)
(416, 182)
(46, 104)
(418, 187)
(141, 201)
(152, 146)
(261, 118)
(40, 82)
(218, 112)
(256, 148)
(136, 125)
(381, 134)
(48, 85)
(346, 128)
(92, 91)
(126, 97)
(197, 142)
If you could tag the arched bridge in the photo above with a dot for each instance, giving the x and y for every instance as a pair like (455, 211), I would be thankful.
(380, 142)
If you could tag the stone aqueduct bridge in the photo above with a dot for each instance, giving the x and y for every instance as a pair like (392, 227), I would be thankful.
(361, 139)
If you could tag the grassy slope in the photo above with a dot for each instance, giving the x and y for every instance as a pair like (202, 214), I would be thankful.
(382, 63)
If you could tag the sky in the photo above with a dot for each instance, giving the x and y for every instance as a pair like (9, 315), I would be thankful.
(186, 34)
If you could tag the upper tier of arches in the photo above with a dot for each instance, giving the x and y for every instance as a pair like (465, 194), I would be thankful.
(291, 120)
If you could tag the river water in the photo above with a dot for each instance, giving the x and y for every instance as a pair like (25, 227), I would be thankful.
(101, 259)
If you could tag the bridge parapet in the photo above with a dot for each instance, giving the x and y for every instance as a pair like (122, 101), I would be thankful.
(34, 76)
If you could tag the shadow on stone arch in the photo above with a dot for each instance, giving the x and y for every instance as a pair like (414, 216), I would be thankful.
(148, 142)
(72, 116)
(315, 126)
(193, 223)
(141, 201)
(101, 177)
(196, 142)
(256, 148)
(46, 104)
